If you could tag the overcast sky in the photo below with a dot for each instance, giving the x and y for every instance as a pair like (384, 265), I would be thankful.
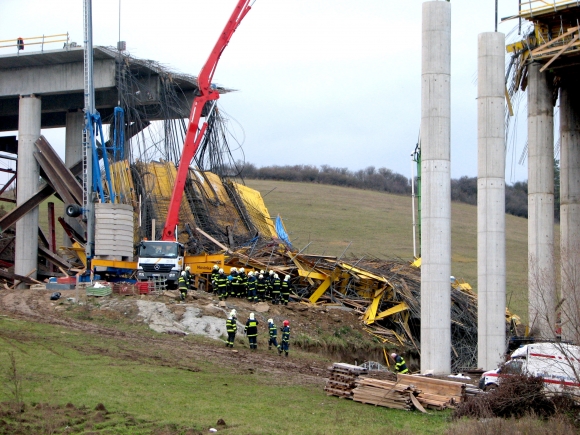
(332, 82)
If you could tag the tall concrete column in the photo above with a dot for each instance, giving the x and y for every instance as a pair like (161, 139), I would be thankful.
(75, 122)
(436, 188)
(491, 269)
(570, 207)
(541, 276)
(26, 244)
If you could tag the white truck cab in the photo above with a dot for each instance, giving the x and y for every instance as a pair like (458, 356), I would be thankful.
(160, 260)
(557, 363)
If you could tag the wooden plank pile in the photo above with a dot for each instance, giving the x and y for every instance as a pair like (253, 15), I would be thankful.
(409, 392)
(434, 393)
(342, 379)
(384, 393)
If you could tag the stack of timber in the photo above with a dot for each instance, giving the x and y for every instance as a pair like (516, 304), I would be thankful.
(434, 393)
(409, 392)
(342, 379)
(384, 393)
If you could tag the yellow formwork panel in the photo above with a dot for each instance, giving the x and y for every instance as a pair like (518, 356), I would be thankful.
(257, 210)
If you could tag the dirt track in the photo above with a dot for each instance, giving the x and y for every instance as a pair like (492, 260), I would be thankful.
(161, 349)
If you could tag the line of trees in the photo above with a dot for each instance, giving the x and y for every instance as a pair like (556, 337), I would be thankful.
(463, 189)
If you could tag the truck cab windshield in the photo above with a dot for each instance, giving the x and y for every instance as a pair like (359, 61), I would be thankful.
(158, 250)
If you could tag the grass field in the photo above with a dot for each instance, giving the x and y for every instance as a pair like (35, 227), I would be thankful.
(380, 224)
(60, 365)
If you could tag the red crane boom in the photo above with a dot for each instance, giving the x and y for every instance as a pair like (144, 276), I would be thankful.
(194, 133)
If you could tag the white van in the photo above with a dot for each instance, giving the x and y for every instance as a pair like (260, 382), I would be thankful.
(557, 363)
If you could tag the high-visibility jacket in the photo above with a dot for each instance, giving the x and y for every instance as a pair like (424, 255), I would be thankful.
(285, 334)
(214, 275)
(243, 280)
(285, 288)
(252, 283)
(231, 324)
(251, 328)
(276, 285)
(261, 285)
(400, 365)
(273, 330)
(222, 281)
(182, 282)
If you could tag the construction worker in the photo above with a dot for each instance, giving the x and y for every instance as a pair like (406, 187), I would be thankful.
(400, 365)
(285, 290)
(242, 283)
(252, 295)
(276, 289)
(251, 331)
(285, 338)
(231, 328)
(222, 285)
(269, 284)
(182, 284)
(214, 274)
(233, 282)
(273, 331)
(261, 287)
(188, 278)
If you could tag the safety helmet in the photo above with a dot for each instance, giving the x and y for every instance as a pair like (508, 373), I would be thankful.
(262, 272)
(221, 271)
(276, 276)
(188, 268)
(233, 313)
(270, 320)
(393, 355)
(242, 270)
(233, 269)
(215, 267)
(183, 273)
(287, 277)
(286, 323)
(252, 316)
(261, 276)
(250, 273)
(271, 272)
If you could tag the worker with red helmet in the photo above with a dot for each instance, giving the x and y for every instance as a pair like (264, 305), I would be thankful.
(285, 338)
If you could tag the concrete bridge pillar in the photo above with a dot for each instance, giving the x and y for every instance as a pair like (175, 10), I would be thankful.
(27, 182)
(541, 275)
(436, 188)
(570, 207)
(491, 266)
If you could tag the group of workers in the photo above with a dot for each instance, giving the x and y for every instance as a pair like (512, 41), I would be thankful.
(256, 287)
(251, 331)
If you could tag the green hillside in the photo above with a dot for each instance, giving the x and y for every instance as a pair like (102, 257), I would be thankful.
(379, 224)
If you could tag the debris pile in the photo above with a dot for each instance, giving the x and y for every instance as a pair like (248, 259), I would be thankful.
(386, 294)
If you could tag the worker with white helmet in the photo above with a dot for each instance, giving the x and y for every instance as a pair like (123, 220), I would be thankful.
(251, 331)
(276, 289)
(273, 332)
(400, 364)
(252, 293)
(188, 278)
(231, 328)
(285, 291)
(233, 289)
(261, 285)
(285, 346)
(182, 284)
(242, 283)
(214, 274)
(222, 285)
(269, 284)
